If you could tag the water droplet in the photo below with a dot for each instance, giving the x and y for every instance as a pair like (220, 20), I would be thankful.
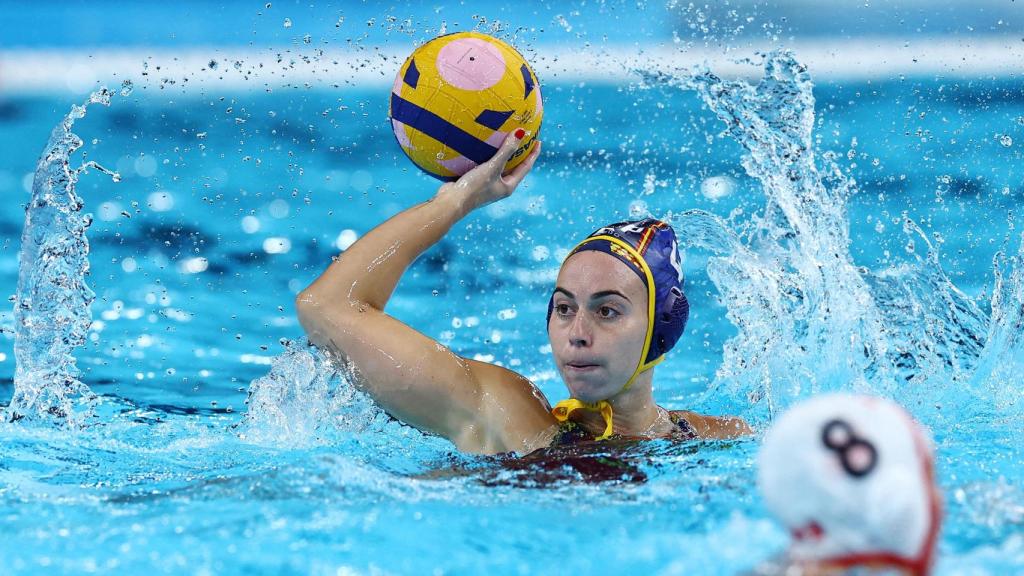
(717, 187)
(287, 22)
(126, 88)
(1006, 141)
(637, 209)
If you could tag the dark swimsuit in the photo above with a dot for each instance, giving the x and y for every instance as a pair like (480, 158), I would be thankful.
(570, 432)
(575, 456)
(572, 457)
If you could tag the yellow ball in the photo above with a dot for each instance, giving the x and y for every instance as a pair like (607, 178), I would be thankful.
(457, 97)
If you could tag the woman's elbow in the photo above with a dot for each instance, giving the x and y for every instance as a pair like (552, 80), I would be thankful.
(312, 305)
(312, 315)
(305, 303)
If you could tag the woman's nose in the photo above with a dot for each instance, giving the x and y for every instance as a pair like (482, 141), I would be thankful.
(579, 331)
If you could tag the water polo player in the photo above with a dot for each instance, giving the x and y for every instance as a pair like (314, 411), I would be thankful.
(851, 478)
(618, 307)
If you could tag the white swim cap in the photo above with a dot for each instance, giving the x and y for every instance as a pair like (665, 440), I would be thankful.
(851, 478)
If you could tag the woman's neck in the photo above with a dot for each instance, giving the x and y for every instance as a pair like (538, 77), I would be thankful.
(634, 411)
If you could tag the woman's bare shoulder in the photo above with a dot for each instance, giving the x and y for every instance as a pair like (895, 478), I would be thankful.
(514, 412)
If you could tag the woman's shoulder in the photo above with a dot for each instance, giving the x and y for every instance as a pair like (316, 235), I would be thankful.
(503, 392)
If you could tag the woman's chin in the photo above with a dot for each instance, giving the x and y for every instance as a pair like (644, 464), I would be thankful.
(585, 391)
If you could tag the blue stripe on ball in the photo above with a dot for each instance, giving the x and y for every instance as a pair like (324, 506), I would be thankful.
(527, 80)
(441, 130)
(412, 75)
(493, 119)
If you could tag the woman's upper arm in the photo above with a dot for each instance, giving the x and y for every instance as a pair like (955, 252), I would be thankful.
(420, 381)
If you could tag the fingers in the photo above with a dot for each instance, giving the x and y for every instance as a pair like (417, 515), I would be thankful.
(519, 172)
(507, 149)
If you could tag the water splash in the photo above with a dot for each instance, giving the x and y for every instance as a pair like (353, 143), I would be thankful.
(305, 399)
(51, 307)
(809, 319)
(1000, 369)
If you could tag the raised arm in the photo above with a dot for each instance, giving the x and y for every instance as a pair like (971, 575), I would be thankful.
(478, 406)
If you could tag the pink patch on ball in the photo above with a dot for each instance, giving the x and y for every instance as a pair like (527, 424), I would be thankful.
(496, 139)
(459, 165)
(538, 108)
(471, 64)
(400, 134)
(397, 86)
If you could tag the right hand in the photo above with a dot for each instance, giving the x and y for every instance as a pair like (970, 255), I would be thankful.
(485, 183)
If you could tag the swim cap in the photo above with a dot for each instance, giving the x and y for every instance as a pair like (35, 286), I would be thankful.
(650, 250)
(851, 478)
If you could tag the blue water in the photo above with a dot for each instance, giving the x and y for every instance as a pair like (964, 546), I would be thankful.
(199, 457)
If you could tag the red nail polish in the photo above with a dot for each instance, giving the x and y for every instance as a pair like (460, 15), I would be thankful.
(520, 133)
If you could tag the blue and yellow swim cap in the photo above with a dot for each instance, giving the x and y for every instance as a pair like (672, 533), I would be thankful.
(650, 249)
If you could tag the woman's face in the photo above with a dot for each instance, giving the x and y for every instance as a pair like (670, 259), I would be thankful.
(598, 324)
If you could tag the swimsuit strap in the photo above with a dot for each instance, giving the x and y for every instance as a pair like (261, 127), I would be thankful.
(685, 429)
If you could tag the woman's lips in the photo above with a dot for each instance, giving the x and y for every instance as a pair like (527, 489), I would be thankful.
(580, 367)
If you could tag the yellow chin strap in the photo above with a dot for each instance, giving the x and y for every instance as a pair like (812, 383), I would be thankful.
(565, 408)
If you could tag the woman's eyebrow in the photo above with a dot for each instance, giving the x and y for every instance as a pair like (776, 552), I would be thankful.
(595, 295)
(604, 293)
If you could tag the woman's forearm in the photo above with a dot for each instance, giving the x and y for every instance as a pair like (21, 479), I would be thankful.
(368, 271)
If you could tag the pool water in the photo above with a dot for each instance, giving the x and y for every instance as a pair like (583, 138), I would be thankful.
(220, 443)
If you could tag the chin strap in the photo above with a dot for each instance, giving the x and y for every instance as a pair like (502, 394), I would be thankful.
(565, 408)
